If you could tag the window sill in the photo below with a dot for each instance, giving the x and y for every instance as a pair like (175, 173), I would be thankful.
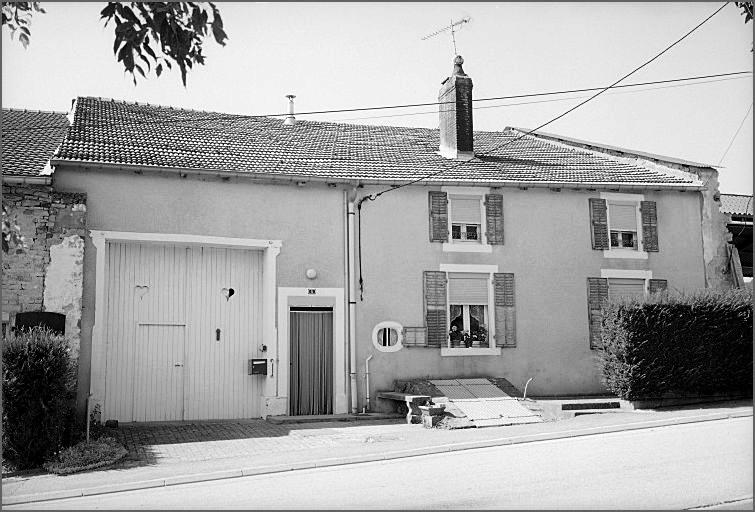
(491, 351)
(626, 254)
(462, 247)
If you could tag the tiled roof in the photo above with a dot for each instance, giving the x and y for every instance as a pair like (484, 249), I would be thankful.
(29, 139)
(116, 132)
(736, 204)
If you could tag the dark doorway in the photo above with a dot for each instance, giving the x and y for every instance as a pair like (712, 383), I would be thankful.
(311, 361)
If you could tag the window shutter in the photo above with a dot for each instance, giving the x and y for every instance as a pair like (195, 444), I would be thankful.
(623, 217)
(657, 285)
(468, 288)
(599, 224)
(505, 312)
(438, 216)
(626, 288)
(435, 308)
(597, 292)
(494, 218)
(465, 209)
(649, 226)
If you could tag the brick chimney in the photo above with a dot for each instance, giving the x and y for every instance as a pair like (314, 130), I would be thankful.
(456, 115)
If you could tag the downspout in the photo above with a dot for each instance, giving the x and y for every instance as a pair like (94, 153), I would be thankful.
(367, 382)
(350, 214)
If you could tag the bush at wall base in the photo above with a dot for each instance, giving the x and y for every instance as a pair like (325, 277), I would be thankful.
(39, 379)
(678, 345)
(85, 456)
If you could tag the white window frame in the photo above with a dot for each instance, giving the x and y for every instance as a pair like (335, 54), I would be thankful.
(624, 252)
(491, 350)
(612, 273)
(482, 244)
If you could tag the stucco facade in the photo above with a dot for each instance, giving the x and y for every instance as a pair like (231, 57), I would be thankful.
(308, 221)
(548, 249)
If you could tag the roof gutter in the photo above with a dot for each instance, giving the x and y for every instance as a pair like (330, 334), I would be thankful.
(27, 180)
(288, 178)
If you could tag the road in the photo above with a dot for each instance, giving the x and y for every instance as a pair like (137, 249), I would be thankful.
(676, 467)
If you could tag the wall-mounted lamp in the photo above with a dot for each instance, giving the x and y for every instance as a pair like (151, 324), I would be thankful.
(311, 273)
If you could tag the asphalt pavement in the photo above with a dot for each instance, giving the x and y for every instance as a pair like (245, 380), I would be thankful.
(171, 454)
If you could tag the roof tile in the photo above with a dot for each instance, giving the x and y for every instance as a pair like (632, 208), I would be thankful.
(117, 132)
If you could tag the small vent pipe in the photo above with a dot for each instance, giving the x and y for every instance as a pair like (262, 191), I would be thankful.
(290, 119)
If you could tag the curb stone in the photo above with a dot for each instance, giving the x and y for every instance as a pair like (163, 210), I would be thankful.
(376, 457)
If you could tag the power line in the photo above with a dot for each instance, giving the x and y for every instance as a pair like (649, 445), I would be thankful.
(237, 117)
(372, 197)
(735, 134)
(426, 112)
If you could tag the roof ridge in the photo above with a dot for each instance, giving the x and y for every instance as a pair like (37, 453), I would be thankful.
(12, 109)
(332, 123)
(570, 141)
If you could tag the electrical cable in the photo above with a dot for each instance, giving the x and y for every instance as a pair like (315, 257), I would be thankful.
(239, 117)
(735, 134)
(372, 197)
(426, 112)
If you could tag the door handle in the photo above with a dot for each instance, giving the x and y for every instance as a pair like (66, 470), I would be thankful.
(178, 364)
(272, 362)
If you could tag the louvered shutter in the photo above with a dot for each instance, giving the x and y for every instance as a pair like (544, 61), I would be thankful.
(649, 226)
(597, 292)
(599, 224)
(505, 311)
(494, 218)
(657, 285)
(435, 308)
(438, 216)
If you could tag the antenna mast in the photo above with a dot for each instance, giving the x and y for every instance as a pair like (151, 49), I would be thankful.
(450, 27)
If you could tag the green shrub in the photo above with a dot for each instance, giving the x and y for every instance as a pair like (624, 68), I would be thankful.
(84, 456)
(678, 345)
(39, 379)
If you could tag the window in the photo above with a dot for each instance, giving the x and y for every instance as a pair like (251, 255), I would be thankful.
(468, 313)
(387, 336)
(466, 218)
(622, 219)
(626, 288)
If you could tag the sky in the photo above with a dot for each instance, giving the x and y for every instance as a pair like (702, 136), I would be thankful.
(352, 55)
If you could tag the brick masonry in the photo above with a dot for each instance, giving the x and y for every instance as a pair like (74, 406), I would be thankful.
(46, 275)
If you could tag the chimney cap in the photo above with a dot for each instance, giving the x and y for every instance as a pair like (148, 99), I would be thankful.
(458, 71)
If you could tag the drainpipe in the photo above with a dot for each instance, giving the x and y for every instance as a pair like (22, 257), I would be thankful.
(367, 382)
(352, 301)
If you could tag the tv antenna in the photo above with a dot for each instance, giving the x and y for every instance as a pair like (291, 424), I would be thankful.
(450, 27)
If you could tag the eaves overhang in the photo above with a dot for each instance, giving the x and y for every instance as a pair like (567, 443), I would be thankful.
(272, 177)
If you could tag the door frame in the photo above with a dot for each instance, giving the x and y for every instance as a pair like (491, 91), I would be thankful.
(98, 366)
(312, 297)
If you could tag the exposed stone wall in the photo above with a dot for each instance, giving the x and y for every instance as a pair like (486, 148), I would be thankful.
(716, 235)
(47, 274)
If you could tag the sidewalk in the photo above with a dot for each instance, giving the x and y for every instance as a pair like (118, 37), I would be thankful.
(175, 453)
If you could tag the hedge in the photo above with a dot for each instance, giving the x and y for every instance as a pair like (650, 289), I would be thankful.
(676, 345)
(39, 379)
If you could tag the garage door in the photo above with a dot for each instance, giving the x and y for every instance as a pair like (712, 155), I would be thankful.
(181, 324)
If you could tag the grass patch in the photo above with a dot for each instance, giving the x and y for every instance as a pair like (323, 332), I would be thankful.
(85, 456)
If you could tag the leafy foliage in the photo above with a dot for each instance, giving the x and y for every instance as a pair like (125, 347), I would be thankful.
(175, 29)
(11, 233)
(84, 456)
(746, 10)
(39, 380)
(17, 17)
(677, 345)
(148, 35)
